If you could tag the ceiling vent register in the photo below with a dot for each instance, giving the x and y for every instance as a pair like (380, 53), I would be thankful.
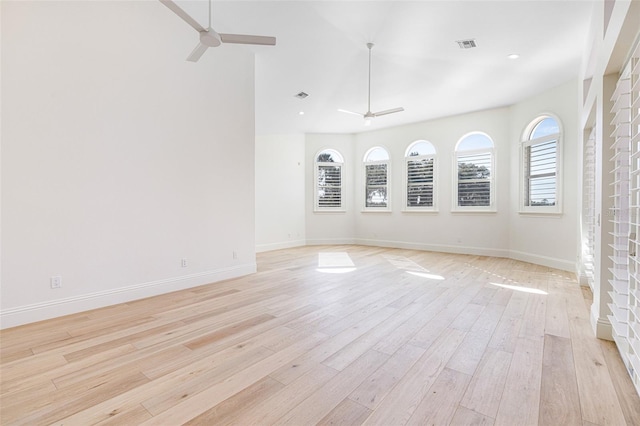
(467, 44)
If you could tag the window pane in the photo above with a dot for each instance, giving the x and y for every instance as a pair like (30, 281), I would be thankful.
(475, 141)
(376, 185)
(542, 191)
(474, 193)
(420, 183)
(474, 180)
(420, 196)
(329, 186)
(541, 174)
(376, 197)
(329, 156)
(546, 127)
(420, 148)
(420, 171)
(329, 197)
(377, 154)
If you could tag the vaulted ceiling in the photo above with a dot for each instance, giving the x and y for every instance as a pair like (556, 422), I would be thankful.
(416, 61)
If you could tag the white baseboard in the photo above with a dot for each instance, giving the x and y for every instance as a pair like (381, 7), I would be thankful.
(279, 246)
(601, 326)
(55, 308)
(478, 251)
(551, 262)
(330, 241)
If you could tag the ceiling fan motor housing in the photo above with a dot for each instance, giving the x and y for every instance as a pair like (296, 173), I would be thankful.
(210, 38)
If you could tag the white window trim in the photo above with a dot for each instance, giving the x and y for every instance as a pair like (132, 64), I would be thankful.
(387, 208)
(491, 208)
(434, 207)
(316, 207)
(525, 142)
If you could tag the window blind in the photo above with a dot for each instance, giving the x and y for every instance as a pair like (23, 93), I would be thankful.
(376, 185)
(474, 179)
(540, 164)
(420, 182)
(329, 186)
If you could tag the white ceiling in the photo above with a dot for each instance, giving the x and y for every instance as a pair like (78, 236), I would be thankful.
(416, 62)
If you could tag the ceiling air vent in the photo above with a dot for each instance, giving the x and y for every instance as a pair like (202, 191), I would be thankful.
(467, 44)
(301, 95)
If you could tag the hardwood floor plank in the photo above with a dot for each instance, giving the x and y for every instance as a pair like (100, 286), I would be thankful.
(598, 400)
(627, 395)
(557, 321)
(227, 409)
(198, 403)
(520, 403)
(347, 413)
(465, 417)
(275, 407)
(468, 317)
(330, 395)
(397, 407)
(559, 402)
(441, 402)
(411, 337)
(468, 355)
(505, 336)
(485, 391)
(359, 346)
(227, 331)
(373, 390)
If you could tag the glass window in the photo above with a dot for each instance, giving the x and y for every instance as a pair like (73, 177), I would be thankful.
(540, 156)
(329, 181)
(474, 165)
(420, 159)
(376, 176)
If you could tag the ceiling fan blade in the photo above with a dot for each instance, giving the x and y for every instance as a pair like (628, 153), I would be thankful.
(197, 52)
(248, 39)
(182, 14)
(387, 111)
(351, 112)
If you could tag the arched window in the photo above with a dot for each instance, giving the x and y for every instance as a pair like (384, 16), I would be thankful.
(541, 159)
(329, 181)
(420, 159)
(475, 168)
(376, 178)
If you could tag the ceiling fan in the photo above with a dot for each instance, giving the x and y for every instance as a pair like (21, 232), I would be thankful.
(210, 38)
(369, 115)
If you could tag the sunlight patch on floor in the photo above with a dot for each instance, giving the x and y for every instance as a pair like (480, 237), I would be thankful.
(412, 268)
(522, 289)
(335, 263)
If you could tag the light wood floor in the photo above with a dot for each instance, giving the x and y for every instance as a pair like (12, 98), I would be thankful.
(400, 337)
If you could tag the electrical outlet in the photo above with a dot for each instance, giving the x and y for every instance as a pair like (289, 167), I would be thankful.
(56, 281)
(184, 262)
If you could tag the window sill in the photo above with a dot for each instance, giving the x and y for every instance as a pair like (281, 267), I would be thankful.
(330, 211)
(420, 211)
(474, 211)
(540, 213)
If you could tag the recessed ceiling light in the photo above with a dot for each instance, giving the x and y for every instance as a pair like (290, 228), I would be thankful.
(301, 113)
(513, 56)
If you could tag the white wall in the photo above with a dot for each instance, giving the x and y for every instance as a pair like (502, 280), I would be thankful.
(548, 239)
(481, 233)
(280, 191)
(330, 227)
(119, 158)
